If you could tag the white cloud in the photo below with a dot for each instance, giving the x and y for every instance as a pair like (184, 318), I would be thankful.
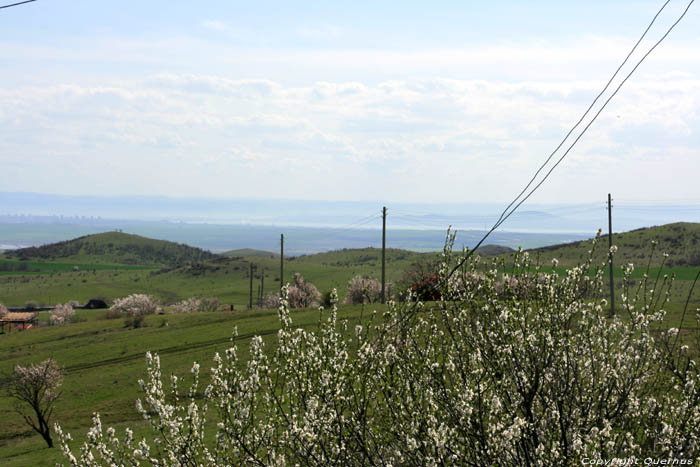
(425, 133)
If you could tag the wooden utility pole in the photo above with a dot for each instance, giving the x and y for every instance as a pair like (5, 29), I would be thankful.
(250, 271)
(610, 255)
(281, 263)
(262, 286)
(384, 254)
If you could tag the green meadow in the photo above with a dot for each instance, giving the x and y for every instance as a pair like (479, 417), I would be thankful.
(103, 359)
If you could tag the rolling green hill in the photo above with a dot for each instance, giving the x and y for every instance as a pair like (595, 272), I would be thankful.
(493, 250)
(131, 264)
(114, 264)
(104, 359)
(681, 241)
(113, 248)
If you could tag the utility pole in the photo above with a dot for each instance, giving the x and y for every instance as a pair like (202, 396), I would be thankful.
(262, 286)
(610, 255)
(384, 254)
(250, 270)
(281, 263)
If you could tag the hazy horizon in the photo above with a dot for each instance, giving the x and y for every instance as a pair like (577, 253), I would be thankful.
(30, 219)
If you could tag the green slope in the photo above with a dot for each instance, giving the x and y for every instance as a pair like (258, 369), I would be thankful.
(681, 241)
(113, 248)
(104, 360)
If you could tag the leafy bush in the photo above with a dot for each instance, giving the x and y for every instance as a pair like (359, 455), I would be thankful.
(420, 272)
(61, 314)
(326, 299)
(136, 321)
(113, 314)
(3, 310)
(363, 290)
(543, 378)
(209, 304)
(427, 289)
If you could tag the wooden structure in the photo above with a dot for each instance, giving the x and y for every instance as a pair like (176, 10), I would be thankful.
(19, 321)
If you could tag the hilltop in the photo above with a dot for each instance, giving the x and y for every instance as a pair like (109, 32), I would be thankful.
(114, 248)
(493, 250)
(680, 240)
(249, 252)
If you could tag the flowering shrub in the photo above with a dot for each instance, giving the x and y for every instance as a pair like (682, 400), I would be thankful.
(193, 305)
(271, 301)
(36, 386)
(3, 310)
(189, 305)
(363, 290)
(480, 378)
(300, 295)
(137, 305)
(61, 314)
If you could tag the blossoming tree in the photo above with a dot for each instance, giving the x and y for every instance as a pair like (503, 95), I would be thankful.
(487, 376)
(36, 386)
(61, 314)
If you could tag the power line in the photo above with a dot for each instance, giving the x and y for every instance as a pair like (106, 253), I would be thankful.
(358, 222)
(506, 213)
(600, 110)
(18, 3)
(539, 170)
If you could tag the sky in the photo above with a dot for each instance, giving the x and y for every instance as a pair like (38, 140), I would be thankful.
(405, 101)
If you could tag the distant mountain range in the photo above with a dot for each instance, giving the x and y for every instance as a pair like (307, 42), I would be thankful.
(582, 218)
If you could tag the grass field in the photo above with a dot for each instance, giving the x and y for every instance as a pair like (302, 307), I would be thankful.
(104, 360)
(227, 278)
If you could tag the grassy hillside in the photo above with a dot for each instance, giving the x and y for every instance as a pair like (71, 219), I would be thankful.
(141, 265)
(113, 248)
(104, 360)
(226, 278)
(680, 240)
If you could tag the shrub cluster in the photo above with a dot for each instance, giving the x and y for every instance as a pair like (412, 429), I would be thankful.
(480, 378)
